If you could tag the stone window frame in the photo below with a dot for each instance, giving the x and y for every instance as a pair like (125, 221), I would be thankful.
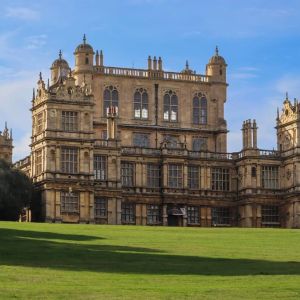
(128, 213)
(100, 167)
(220, 179)
(110, 97)
(141, 104)
(69, 121)
(100, 207)
(127, 174)
(154, 214)
(153, 175)
(69, 160)
(69, 202)
(193, 215)
(270, 177)
(200, 109)
(194, 177)
(175, 175)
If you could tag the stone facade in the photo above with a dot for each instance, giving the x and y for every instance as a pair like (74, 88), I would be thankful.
(149, 147)
(6, 145)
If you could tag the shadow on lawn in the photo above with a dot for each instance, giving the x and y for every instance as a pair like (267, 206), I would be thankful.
(35, 249)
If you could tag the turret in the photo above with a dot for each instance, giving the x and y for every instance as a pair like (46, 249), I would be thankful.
(216, 68)
(84, 58)
(59, 69)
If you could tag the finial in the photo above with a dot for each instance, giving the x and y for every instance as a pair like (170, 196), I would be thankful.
(101, 53)
(84, 39)
(217, 51)
(97, 52)
(286, 96)
(5, 125)
(33, 94)
(11, 136)
(59, 54)
(40, 76)
(187, 65)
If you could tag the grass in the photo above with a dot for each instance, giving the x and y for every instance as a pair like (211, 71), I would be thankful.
(55, 261)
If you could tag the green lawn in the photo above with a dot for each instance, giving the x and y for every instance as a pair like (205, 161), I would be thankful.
(53, 261)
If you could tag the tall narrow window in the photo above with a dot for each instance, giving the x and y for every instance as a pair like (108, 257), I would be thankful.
(140, 139)
(140, 104)
(170, 106)
(199, 109)
(175, 176)
(110, 98)
(153, 176)
(193, 215)
(153, 214)
(38, 162)
(220, 179)
(100, 207)
(69, 160)
(39, 123)
(269, 177)
(69, 202)
(100, 167)
(69, 120)
(128, 213)
(193, 177)
(127, 174)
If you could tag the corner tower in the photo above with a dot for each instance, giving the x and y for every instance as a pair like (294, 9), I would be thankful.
(6, 145)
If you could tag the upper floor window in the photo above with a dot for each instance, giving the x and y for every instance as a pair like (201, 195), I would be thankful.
(69, 160)
(199, 144)
(193, 177)
(38, 162)
(170, 106)
(153, 175)
(140, 140)
(140, 104)
(39, 123)
(220, 179)
(199, 109)
(69, 120)
(110, 98)
(175, 178)
(127, 174)
(100, 167)
(172, 141)
(269, 177)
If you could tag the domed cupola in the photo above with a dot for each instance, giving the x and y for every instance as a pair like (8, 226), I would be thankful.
(59, 69)
(216, 67)
(84, 56)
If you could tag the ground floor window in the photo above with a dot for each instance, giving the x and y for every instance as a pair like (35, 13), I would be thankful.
(128, 213)
(193, 215)
(153, 214)
(69, 202)
(220, 216)
(100, 207)
(270, 216)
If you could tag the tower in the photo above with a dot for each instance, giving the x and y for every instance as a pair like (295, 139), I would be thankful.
(216, 70)
(84, 57)
(59, 69)
(6, 144)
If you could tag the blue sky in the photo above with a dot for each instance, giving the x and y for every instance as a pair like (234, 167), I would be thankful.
(259, 40)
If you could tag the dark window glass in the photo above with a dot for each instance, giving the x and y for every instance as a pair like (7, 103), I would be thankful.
(175, 176)
(153, 176)
(220, 216)
(270, 216)
(193, 215)
(69, 202)
(220, 179)
(69, 160)
(128, 213)
(100, 167)
(100, 207)
(127, 174)
(140, 103)
(193, 177)
(199, 144)
(170, 107)
(110, 98)
(199, 109)
(153, 214)
(141, 140)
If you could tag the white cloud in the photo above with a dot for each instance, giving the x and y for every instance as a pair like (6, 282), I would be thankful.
(22, 13)
(36, 41)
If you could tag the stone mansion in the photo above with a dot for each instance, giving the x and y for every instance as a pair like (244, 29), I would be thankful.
(146, 146)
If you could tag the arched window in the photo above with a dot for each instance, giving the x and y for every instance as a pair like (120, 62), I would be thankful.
(199, 109)
(170, 106)
(140, 103)
(110, 98)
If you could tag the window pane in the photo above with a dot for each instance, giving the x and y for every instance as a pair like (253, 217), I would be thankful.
(127, 174)
(100, 167)
(100, 207)
(153, 176)
(128, 213)
(69, 202)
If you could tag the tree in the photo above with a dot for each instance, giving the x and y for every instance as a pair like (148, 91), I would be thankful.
(16, 192)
